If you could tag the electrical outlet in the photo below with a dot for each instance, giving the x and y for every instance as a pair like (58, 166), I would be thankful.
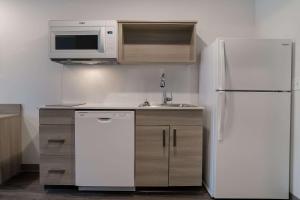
(297, 83)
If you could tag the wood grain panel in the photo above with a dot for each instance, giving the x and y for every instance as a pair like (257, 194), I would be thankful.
(157, 53)
(57, 170)
(57, 139)
(120, 43)
(169, 117)
(156, 42)
(151, 164)
(10, 147)
(158, 22)
(57, 116)
(193, 46)
(10, 108)
(185, 156)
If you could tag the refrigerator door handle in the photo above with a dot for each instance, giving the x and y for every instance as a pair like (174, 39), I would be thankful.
(222, 66)
(221, 113)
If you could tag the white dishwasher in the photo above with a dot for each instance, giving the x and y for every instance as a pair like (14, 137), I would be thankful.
(104, 150)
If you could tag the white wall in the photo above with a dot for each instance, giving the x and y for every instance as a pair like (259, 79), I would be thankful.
(28, 77)
(280, 19)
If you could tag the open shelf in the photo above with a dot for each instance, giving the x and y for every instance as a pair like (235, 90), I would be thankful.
(150, 42)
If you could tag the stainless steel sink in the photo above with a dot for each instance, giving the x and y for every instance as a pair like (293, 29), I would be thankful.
(176, 105)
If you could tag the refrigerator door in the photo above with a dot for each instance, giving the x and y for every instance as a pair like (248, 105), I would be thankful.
(252, 154)
(254, 64)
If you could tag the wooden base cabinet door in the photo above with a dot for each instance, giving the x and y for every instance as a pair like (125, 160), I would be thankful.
(185, 156)
(152, 156)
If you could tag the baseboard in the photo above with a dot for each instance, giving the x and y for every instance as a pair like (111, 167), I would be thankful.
(293, 197)
(207, 189)
(30, 168)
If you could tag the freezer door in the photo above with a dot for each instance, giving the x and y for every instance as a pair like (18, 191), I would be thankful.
(254, 64)
(252, 156)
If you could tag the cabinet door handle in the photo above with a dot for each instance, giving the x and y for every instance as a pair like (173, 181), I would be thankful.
(56, 141)
(164, 138)
(56, 171)
(174, 138)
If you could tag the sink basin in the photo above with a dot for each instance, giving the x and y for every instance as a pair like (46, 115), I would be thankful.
(176, 105)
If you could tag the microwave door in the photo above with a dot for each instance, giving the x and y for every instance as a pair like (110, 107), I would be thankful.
(76, 43)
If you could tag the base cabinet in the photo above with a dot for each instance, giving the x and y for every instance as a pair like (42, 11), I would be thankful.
(168, 147)
(57, 147)
(152, 156)
(57, 170)
(185, 156)
(171, 154)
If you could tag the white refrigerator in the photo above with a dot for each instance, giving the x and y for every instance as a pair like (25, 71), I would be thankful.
(245, 85)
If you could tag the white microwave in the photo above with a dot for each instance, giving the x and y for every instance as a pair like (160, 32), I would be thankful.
(83, 42)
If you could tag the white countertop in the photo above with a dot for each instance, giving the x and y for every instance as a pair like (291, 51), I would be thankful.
(118, 107)
(7, 115)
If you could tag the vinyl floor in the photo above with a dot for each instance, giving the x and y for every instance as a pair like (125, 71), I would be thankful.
(26, 187)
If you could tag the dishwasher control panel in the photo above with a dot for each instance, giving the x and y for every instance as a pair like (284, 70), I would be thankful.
(112, 114)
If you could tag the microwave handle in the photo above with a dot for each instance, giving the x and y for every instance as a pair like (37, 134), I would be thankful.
(101, 40)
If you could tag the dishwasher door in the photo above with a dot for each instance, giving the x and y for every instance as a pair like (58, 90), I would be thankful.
(104, 150)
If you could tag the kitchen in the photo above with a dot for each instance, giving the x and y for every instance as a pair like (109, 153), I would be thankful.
(34, 81)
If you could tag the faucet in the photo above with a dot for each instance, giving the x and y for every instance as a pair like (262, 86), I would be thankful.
(165, 98)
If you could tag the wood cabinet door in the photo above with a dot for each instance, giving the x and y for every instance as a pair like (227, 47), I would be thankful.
(185, 156)
(152, 156)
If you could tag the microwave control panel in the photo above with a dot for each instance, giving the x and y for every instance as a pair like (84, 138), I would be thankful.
(111, 41)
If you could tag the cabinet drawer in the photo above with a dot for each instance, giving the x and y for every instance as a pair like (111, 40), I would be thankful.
(54, 116)
(170, 117)
(57, 139)
(57, 170)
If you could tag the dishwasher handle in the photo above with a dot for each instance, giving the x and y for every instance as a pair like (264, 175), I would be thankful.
(104, 119)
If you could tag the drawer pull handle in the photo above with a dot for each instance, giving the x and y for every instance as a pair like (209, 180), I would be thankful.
(164, 138)
(174, 138)
(56, 171)
(56, 141)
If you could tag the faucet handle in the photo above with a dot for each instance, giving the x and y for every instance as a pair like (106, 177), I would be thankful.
(145, 103)
(169, 98)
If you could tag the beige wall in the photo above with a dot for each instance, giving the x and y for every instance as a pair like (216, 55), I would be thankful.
(280, 19)
(27, 76)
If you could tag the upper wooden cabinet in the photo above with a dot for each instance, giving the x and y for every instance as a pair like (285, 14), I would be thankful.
(157, 42)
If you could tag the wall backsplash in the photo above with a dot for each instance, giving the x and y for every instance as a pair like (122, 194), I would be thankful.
(128, 84)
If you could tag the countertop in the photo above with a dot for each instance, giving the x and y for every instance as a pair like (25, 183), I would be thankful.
(118, 107)
(2, 116)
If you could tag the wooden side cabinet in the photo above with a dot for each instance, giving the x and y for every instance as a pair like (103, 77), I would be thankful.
(10, 141)
(170, 154)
